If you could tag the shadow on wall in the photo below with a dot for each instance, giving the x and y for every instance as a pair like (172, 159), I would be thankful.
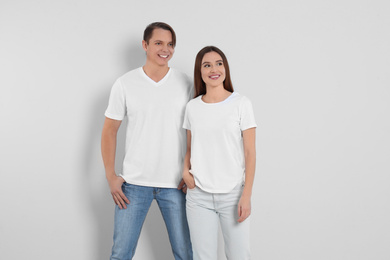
(154, 236)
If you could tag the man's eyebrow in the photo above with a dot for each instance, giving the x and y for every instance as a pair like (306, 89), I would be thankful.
(171, 42)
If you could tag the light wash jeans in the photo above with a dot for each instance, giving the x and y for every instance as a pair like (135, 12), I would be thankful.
(128, 222)
(204, 213)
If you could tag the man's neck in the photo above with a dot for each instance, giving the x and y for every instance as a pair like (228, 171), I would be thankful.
(155, 72)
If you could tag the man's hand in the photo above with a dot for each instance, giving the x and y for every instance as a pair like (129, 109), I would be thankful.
(118, 196)
(182, 186)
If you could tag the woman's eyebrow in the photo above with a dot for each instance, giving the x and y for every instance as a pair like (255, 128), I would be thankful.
(210, 62)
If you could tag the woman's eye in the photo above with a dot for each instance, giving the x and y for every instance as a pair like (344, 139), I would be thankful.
(220, 63)
(207, 66)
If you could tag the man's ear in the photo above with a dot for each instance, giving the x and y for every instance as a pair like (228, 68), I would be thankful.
(144, 45)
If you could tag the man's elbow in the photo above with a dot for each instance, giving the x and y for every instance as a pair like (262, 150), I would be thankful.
(250, 153)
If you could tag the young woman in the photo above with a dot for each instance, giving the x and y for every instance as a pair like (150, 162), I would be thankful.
(219, 165)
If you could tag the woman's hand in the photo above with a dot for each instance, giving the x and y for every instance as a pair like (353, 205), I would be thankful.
(244, 207)
(120, 199)
(189, 179)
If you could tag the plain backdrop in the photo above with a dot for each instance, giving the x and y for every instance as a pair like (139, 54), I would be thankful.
(317, 73)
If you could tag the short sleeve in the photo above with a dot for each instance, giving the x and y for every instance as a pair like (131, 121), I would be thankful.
(186, 124)
(191, 88)
(247, 117)
(117, 103)
(191, 93)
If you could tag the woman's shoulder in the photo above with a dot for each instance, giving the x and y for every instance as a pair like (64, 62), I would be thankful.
(238, 98)
(194, 101)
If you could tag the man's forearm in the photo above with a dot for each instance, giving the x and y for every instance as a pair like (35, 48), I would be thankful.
(108, 152)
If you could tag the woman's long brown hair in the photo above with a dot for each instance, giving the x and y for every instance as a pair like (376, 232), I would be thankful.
(200, 86)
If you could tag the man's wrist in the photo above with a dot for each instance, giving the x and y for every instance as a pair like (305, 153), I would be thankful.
(110, 175)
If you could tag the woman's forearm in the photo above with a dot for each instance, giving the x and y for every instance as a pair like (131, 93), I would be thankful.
(249, 139)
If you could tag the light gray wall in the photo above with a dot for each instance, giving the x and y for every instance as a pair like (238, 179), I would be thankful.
(317, 73)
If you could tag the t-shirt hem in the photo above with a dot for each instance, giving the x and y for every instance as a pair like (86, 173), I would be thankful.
(225, 190)
(247, 127)
(112, 116)
(149, 184)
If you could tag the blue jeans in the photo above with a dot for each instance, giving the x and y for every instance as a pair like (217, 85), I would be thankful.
(128, 222)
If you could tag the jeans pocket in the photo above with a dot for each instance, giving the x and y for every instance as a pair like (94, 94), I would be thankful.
(127, 186)
(188, 189)
(239, 186)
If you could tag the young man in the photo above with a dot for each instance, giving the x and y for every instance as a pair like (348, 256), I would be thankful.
(153, 98)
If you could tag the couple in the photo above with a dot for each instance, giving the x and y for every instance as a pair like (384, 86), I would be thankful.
(213, 185)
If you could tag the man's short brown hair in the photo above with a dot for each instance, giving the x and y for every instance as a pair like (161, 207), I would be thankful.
(158, 25)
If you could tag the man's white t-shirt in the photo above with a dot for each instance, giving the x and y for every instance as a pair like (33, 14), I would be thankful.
(217, 150)
(155, 139)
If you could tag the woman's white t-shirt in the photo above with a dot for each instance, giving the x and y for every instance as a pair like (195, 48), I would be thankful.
(217, 150)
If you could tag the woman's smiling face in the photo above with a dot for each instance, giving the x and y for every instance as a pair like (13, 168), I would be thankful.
(212, 69)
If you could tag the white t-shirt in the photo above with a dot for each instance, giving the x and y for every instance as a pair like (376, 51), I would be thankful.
(155, 139)
(217, 150)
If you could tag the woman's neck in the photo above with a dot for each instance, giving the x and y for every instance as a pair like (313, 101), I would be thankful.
(215, 94)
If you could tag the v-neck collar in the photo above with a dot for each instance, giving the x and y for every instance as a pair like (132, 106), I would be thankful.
(154, 82)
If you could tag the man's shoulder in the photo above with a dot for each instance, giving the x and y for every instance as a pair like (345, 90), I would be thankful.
(132, 74)
(181, 75)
